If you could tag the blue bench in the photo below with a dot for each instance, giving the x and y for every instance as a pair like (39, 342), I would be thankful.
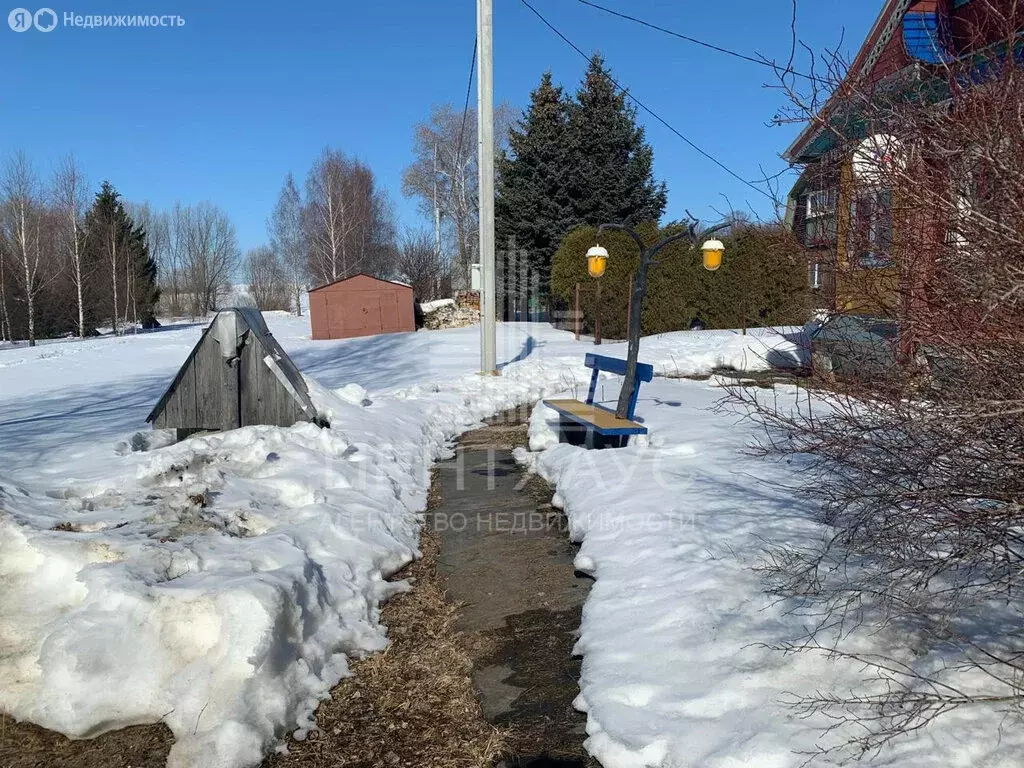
(593, 425)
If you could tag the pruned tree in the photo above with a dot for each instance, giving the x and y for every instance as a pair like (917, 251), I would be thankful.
(288, 239)
(421, 266)
(267, 279)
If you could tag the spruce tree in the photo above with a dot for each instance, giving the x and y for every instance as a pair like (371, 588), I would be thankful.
(116, 248)
(533, 210)
(612, 165)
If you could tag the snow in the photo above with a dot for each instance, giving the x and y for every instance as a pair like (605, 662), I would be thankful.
(675, 633)
(223, 584)
(433, 306)
(220, 584)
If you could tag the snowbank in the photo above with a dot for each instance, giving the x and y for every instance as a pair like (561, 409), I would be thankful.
(698, 353)
(432, 306)
(222, 584)
(676, 671)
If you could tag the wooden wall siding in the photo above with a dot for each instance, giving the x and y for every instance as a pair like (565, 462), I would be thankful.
(975, 25)
(264, 400)
(218, 391)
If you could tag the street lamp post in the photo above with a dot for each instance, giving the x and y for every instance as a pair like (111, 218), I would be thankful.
(712, 255)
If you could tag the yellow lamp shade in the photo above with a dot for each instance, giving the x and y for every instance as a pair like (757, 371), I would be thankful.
(597, 261)
(713, 252)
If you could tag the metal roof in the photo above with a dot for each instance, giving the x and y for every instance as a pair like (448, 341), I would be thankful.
(359, 274)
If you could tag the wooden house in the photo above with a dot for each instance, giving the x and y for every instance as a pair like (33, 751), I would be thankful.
(236, 376)
(908, 51)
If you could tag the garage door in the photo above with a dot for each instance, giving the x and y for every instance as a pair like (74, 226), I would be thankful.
(357, 315)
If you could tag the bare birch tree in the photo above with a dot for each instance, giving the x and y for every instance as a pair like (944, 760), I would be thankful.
(71, 198)
(347, 220)
(443, 177)
(23, 222)
(288, 239)
(156, 225)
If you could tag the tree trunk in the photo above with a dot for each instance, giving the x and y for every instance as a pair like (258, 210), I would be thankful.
(5, 318)
(81, 307)
(30, 303)
(636, 307)
(113, 286)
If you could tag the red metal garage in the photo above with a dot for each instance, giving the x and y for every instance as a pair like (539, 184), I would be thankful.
(360, 305)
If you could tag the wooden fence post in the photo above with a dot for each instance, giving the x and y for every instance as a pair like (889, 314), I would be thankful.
(576, 312)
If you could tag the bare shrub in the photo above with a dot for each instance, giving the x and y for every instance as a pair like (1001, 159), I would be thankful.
(918, 467)
(423, 267)
(267, 275)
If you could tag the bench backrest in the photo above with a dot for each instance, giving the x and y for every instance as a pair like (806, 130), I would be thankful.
(644, 372)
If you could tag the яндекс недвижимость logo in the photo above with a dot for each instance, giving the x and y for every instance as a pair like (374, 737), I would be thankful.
(22, 19)
(45, 20)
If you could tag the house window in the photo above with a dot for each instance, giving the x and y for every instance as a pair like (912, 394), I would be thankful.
(820, 217)
(814, 276)
(871, 214)
(960, 3)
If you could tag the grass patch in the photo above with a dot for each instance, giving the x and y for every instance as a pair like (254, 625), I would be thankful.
(412, 705)
(23, 745)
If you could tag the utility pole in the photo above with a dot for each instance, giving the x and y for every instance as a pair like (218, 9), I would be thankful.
(485, 116)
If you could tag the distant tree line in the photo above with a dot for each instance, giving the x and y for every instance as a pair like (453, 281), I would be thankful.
(68, 265)
(74, 262)
(195, 249)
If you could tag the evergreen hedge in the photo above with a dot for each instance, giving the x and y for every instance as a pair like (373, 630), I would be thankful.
(762, 281)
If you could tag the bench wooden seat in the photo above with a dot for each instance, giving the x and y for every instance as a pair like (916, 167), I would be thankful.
(593, 425)
(603, 419)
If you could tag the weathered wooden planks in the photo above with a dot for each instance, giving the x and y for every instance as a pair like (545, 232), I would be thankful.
(226, 382)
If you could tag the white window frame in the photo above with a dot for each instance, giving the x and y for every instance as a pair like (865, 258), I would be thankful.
(820, 206)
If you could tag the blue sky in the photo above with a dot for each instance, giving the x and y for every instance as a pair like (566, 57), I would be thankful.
(223, 107)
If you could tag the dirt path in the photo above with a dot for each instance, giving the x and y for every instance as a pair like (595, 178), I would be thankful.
(507, 562)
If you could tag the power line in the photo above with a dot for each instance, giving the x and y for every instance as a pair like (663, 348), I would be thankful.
(647, 109)
(465, 107)
(695, 41)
